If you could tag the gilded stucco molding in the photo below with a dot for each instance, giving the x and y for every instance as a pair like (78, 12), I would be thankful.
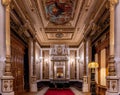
(113, 2)
(6, 2)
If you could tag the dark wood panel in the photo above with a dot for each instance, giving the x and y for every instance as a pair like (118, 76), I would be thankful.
(17, 58)
(101, 90)
(102, 43)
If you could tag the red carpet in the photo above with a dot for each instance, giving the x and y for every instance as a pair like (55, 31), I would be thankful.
(59, 92)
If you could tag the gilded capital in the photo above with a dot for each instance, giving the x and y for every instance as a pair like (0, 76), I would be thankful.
(113, 2)
(6, 2)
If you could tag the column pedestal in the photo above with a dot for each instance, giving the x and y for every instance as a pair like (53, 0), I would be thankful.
(113, 83)
(7, 85)
(33, 86)
(85, 84)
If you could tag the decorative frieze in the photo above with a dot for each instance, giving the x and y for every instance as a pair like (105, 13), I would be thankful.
(59, 50)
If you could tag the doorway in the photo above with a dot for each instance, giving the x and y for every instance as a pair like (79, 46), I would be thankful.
(19, 65)
(26, 71)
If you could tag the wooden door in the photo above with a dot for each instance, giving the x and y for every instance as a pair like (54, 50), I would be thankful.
(17, 58)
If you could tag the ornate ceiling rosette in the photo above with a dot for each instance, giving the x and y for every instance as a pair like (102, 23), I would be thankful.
(59, 11)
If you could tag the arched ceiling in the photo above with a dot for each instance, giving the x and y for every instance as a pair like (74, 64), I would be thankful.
(56, 21)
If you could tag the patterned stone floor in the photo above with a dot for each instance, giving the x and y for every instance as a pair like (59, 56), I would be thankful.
(42, 92)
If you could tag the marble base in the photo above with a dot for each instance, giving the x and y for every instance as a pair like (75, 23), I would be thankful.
(85, 88)
(111, 93)
(33, 87)
(9, 93)
(85, 84)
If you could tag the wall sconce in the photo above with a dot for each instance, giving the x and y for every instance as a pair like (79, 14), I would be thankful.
(39, 60)
(71, 60)
(2, 59)
(92, 66)
(79, 59)
(46, 60)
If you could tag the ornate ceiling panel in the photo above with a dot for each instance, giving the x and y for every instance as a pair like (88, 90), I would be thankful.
(59, 11)
(59, 36)
(56, 21)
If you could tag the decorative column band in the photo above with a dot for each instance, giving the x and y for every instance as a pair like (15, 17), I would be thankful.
(112, 31)
(8, 66)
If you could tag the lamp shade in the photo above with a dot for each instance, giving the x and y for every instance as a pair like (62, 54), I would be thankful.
(93, 65)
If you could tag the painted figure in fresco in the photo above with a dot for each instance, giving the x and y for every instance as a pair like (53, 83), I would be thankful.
(59, 11)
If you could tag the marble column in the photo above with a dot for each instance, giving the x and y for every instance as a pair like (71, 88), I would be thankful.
(117, 42)
(85, 78)
(7, 78)
(2, 42)
(33, 77)
(117, 39)
(112, 79)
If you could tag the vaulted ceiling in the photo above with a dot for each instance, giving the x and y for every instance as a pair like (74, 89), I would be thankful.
(56, 21)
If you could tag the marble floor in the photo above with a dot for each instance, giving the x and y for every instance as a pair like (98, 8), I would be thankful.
(42, 92)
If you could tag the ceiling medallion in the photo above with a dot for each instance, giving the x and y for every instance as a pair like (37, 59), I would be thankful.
(59, 11)
(59, 35)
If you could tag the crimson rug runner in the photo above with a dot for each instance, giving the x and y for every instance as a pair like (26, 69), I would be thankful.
(59, 92)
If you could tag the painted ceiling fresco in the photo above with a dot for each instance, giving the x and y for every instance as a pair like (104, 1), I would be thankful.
(59, 11)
